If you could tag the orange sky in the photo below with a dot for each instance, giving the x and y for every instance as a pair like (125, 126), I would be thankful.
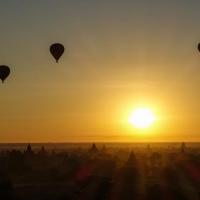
(119, 56)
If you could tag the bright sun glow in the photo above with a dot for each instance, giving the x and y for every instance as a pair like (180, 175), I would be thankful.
(142, 118)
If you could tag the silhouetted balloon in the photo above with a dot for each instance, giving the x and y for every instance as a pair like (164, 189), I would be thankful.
(4, 72)
(199, 46)
(57, 50)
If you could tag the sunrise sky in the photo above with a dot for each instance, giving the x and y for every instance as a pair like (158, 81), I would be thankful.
(120, 55)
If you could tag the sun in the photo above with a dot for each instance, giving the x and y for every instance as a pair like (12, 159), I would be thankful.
(142, 118)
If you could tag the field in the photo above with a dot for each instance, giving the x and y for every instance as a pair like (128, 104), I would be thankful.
(100, 171)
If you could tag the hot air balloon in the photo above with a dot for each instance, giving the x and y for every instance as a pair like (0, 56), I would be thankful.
(198, 47)
(4, 72)
(57, 50)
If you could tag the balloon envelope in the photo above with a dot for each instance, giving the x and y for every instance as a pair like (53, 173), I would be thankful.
(57, 50)
(199, 46)
(4, 72)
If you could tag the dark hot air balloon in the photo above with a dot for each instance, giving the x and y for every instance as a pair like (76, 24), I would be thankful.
(198, 47)
(57, 50)
(4, 72)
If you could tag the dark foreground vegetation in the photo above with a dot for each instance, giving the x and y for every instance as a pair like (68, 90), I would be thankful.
(101, 173)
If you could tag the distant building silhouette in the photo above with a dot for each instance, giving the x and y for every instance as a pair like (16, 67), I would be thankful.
(156, 159)
(183, 147)
(104, 149)
(42, 151)
(29, 150)
(131, 159)
(93, 149)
